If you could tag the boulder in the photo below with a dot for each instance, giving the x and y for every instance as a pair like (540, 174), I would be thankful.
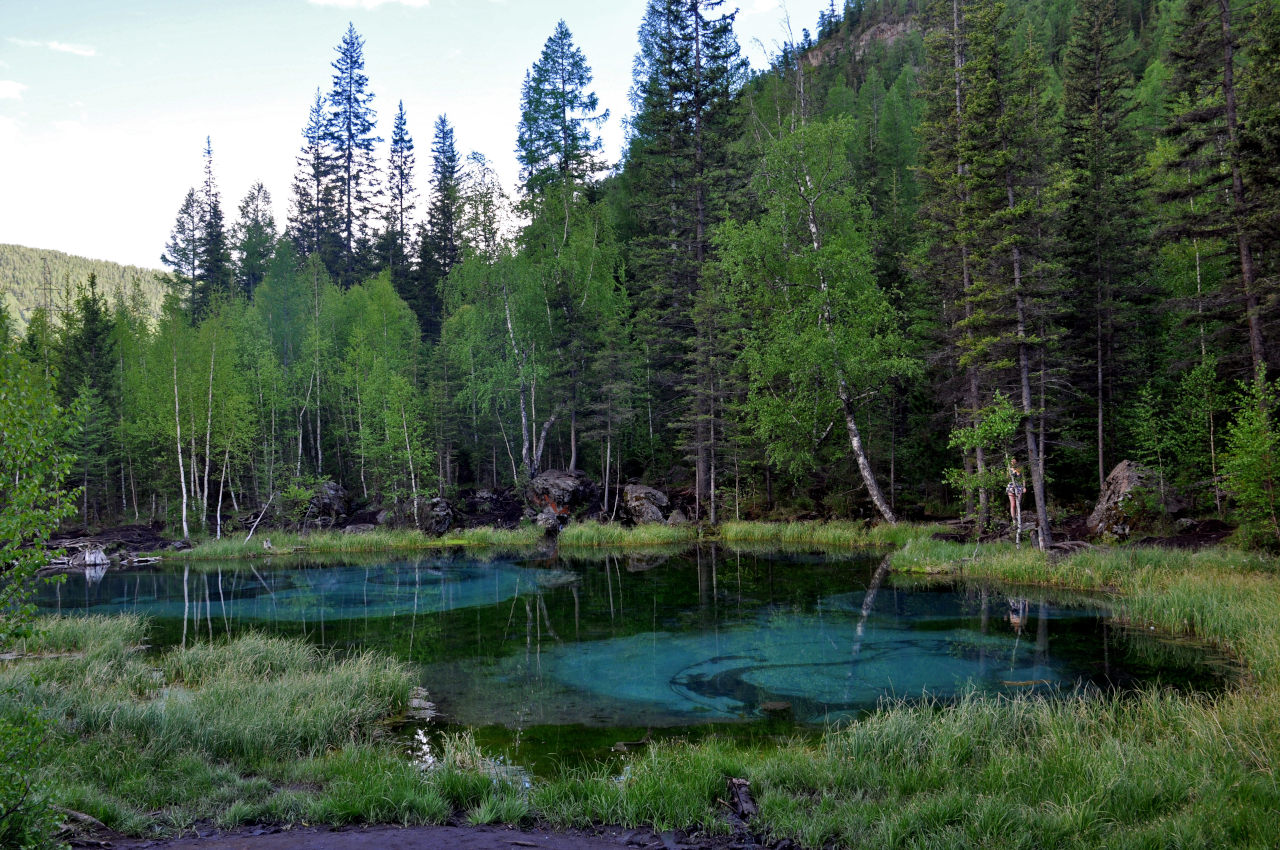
(677, 517)
(359, 528)
(434, 516)
(642, 504)
(500, 508)
(1130, 497)
(330, 500)
(551, 521)
(570, 494)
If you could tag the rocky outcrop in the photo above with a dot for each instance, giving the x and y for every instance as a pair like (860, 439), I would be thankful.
(1130, 498)
(569, 494)
(329, 506)
(642, 504)
(434, 516)
(496, 508)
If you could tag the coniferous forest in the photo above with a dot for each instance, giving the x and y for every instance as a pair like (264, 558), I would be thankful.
(932, 237)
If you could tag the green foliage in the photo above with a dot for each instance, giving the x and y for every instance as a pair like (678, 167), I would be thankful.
(31, 278)
(994, 428)
(1251, 463)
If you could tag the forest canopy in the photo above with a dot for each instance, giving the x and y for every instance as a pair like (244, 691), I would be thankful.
(930, 239)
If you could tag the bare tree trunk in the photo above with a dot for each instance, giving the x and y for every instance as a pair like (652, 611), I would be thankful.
(1248, 272)
(208, 437)
(177, 425)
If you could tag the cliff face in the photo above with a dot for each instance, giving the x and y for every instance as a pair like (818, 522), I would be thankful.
(857, 43)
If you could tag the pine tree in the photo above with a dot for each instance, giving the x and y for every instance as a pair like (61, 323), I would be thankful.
(679, 175)
(439, 248)
(313, 219)
(1260, 139)
(1101, 228)
(1206, 127)
(254, 236)
(182, 251)
(554, 141)
(213, 276)
(1004, 144)
(349, 138)
(400, 205)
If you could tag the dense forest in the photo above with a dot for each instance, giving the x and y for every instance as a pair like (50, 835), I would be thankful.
(35, 277)
(929, 239)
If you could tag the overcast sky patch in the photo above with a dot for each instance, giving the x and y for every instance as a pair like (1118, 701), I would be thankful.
(59, 46)
(368, 4)
(10, 90)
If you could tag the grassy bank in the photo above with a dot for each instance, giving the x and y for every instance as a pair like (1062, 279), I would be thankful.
(269, 730)
(335, 542)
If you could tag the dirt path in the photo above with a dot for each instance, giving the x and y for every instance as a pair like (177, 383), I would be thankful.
(420, 838)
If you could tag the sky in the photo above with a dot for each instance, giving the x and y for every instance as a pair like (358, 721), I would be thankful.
(105, 105)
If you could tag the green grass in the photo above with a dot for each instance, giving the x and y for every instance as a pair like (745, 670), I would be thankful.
(335, 542)
(834, 533)
(596, 534)
(265, 729)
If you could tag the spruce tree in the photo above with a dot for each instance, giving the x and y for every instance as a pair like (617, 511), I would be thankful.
(679, 176)
(349, 139)
(313, 218)
(1260, 139)
(1101, 225)
(182, 251)
(554, 141)
(254, 239)
(394, 250)
(1206, 127)
(213, 276)
(439, 248)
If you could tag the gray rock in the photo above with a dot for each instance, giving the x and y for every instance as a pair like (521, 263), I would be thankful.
(1130, 497)
(359, 528)
(435, 516)
(551, 521)
(644, 504)
(567, 493)
(677, 518)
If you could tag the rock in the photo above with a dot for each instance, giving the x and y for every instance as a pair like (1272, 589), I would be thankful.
(1130, 497)
(550, 521)
(500, 508)
(359, 528)
(642, 504)
(570, 494)
(434, 516)
(330, 501)
(677, 518)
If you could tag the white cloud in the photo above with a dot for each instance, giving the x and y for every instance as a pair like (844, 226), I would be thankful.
(10, 90)
(59, 46)
(368, 4)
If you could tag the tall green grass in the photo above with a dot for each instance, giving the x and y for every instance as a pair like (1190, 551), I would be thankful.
(593, 534)
(377, 540)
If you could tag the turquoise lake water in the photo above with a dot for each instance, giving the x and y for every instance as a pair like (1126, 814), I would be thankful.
(656, 640)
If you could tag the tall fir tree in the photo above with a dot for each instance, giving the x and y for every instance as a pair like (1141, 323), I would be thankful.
(439, 248)
(253, 239)
(1102, 235)
(394, 249)
(213, 277)
(1206, 126)
(679, 176)
(313, 215)
(182, 251)
(349, 138)
(554, 141)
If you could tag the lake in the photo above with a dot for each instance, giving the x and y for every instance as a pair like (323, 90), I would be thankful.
(559, 658)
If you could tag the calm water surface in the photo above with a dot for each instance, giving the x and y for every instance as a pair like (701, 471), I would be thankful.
(596, 648)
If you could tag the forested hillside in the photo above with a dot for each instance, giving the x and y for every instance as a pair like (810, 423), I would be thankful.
(31, 277)
(930, 240)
